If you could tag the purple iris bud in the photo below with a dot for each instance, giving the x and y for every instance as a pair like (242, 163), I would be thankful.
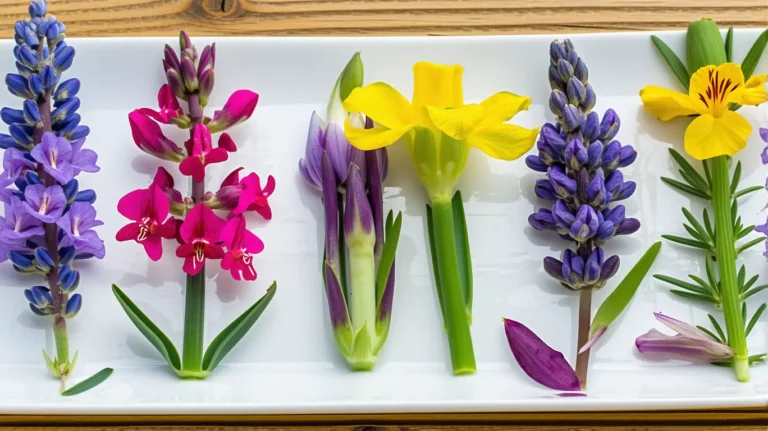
(557, 102)
(80, 132)
(565, 70)
(585, 225)
(31, 113)
(573, 268)
(55, 154)
(542, 220)
(609, 127)
(576, 154)
(18, 85)
(627, 156)
(65, 108)
(45, 204)
(86, 196)
(596, 192)
(358, 218)
(10, 115)
(43, 259)
(67, 89)
(609, 268)
(73, 306)
(536, 163)
(688, 344)
(576, 91)
(595, 154)
(63, 58)
(563, 186)
(628, 226)
(48, 76)
(591, 129)
(571, 119)
(78, 223)
(555, 82)
(22, 133)
(544, 190)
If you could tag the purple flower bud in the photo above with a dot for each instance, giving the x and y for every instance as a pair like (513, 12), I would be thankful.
(557, 102)
(609, 268)
(73, 306)
(69, 278)
(10, 115)
(562, 217)
(7, 141)
(536, 163)
(188, 72)
(565, 70)
(544, 190)
(80, 132)
(591, 129)
(26, 34)
(67, 125)
(22, 134)
(611, 156)
(556, 53)
(585, 225)
(593, 266)
(175, 82)
(580, 71)
(206, 85)
(184, 40)
(66, 90)
(605, 231)
(614, 182)
(48, 77)
(627, 156)
(628, 226)
(571, 119)
(65, 108)
(63, 59)
(576, 154)
(595, 154)
(625, 191)
(35, 85)
(358, 218)
(562, 185)
(171, 60)
(330, 205)
(26, 57)
(609, 126)
(555, 82)
(573, 268)
(18, 85)
(615, 215)
(596, 193)
(576, 91)
(31, 113)
(542, 220)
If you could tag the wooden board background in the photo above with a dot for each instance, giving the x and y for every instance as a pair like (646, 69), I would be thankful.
(91, 18)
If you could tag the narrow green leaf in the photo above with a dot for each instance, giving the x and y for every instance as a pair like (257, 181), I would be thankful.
(89, 383)
(696, 225)
(672, 60)
(707, 174)
(51, 365)
(752, 58)
(229, 336)
(736, 178)
(734, 209)
(682, 284)
(390, 220)
(741, 277)
(710, 333)
(737, 225)
(754, 319)
(687, 241)
(692, 232)
(710, 270)
(387, 257)
(689, 172)
(695, 296)
(708, 223)
(702, 283)
(749, 284)
(685, 188)
(744, 232)
(743, 311)
(462, 250)
(746, 191)
(615, 303)
(148, 328)
(342, 276)
(717, 327)
(433, 253)
(729, 45)
(754, 291)
(750, 244)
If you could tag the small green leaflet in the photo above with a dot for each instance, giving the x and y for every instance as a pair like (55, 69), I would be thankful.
(89, 383)
(618, 300)
(750, 62)
(677, 66)
(729, 45)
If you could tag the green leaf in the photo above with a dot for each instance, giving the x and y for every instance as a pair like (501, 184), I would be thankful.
(689, 172)
(710, 270)
(618, 300)
(749, 284)
(694, 296)
(682, 284)
(717, 327)
(701, 282)
(734, 209)
(708, 223)
(729, 45)
(707, 174)
(746, 191)
(51, 365)
(148, 328)
(695, 223)
(710, 333)
(229, 336)
(741, 277)
(753, 291)
(754, 319)
(462, 250)
(89, 383)
(433, 253)
(392, 236)
(692, 232)
(744, 232)
(677, 66)
(687, 241)
(748, 245)
(685, 188)
(750, 62)
(736, 178)
(342, 275)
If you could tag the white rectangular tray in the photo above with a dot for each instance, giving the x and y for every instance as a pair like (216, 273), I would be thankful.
(288, 363)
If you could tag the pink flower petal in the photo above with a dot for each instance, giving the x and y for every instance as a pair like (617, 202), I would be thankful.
(191, 266)
(270, 187)
(128, 232)
(153, 245)
(252, 243)
(159, 205)
(232, 179)
(217, 155)
(134, 206)
(226, 142)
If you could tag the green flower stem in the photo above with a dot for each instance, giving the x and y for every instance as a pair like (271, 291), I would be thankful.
(362, 298)
(456, 323)
(585, 317)
(726, 256)
(60, 336)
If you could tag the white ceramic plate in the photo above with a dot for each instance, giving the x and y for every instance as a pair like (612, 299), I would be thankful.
(288, 363)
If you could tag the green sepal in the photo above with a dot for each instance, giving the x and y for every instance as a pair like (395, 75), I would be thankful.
(618, 300)
(677, 66)
(235, 331)
(433, 253)
(89, 383)
(729, 45)
(752, 58)
(148, 328)
(462, 249)
(52, 367)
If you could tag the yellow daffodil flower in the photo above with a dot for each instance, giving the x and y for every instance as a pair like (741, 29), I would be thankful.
(717, 130)
(437, 126)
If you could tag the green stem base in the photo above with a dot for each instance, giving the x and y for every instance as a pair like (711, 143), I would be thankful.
(192, 375)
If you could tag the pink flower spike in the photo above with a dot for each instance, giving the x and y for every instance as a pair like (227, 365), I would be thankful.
(226, 142)
(201, 154)
(200, 234)
(150, 139)
(238, 108)
(241, 246)
(169, 106)
(148, 208)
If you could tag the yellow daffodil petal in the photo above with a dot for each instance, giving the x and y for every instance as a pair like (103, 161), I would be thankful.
(754, 92)
(371, 139)
(503, 141)
(708, 137)
(385, 105)
(456, 123)
(437, 85)
(502, 106)
(666, 104)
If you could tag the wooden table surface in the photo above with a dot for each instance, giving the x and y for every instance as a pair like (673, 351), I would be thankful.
(397, 17)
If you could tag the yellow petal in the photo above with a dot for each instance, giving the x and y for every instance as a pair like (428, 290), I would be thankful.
(503, 141)
(708, 137)
(666, 104)
(456, 123)
(713, 87)
(437, 85)
(371, 139)
(384, 104)
(502, 106)
(754, 91)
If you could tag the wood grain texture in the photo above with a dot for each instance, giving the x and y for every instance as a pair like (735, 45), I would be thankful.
(369, 17)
